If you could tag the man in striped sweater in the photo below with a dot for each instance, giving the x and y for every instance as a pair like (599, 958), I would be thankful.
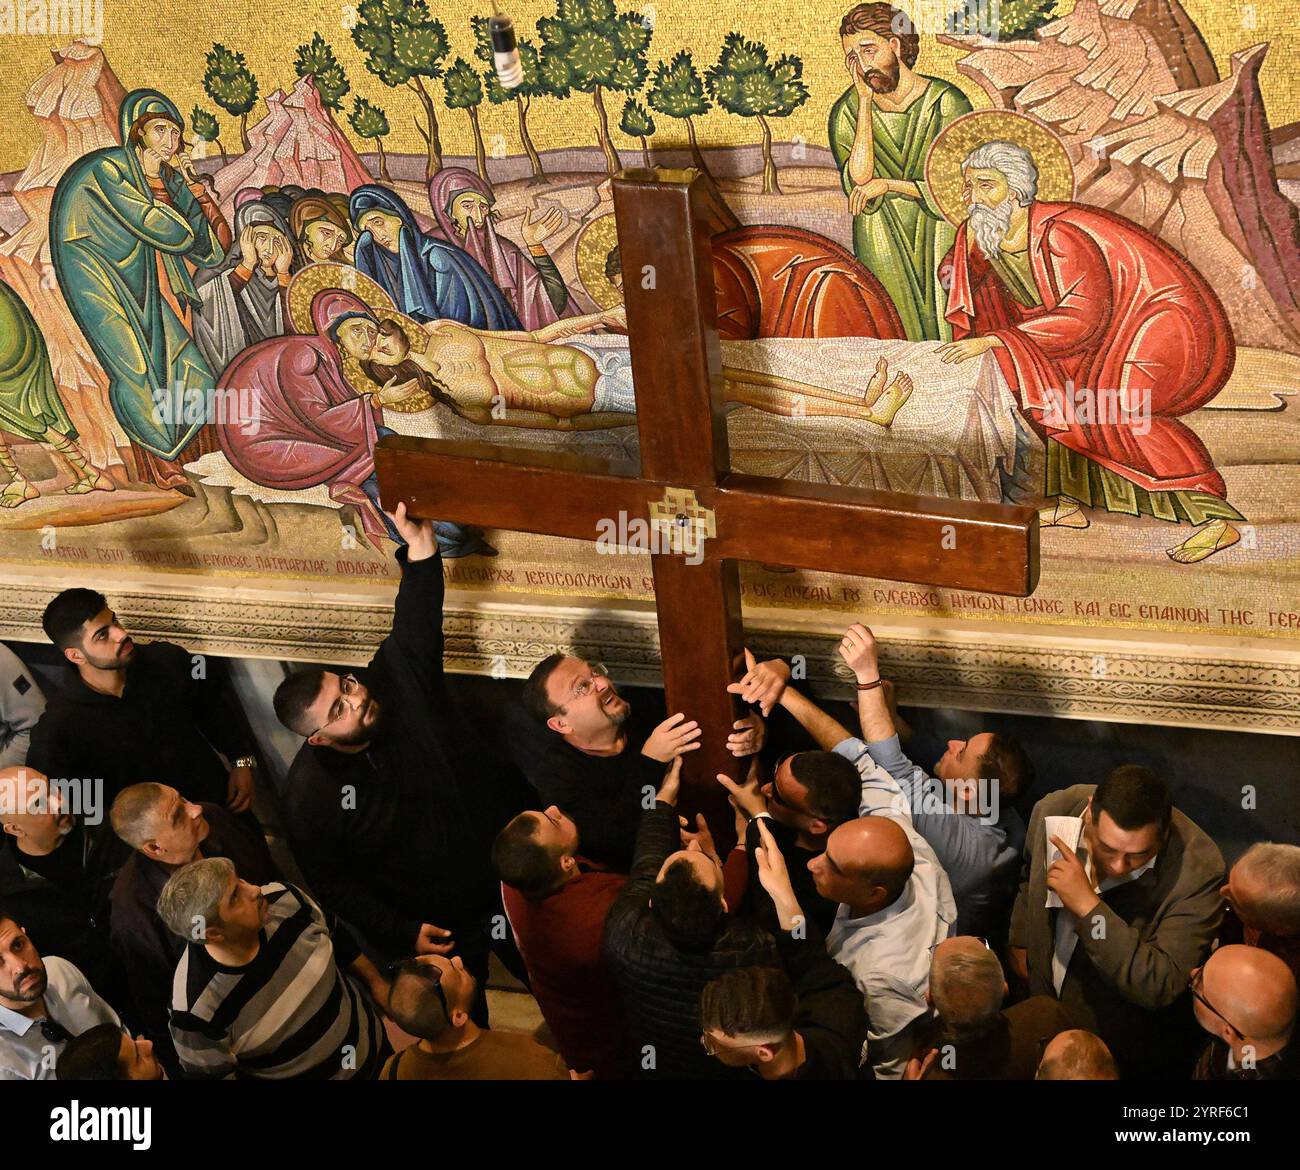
(263, 990)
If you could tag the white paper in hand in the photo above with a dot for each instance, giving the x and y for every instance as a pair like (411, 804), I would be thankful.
(1069, 829)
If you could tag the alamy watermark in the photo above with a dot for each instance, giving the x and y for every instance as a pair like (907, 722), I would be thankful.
(34, 795)
(181, 405)
(53, 18)
(1130, 407)
(682, 536)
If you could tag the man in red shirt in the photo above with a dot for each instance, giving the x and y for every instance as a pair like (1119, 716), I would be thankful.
(557, 902)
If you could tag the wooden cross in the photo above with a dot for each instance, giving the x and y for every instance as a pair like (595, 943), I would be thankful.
(665, 220)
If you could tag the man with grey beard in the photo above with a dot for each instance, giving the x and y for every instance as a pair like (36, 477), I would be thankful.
(1106, 335)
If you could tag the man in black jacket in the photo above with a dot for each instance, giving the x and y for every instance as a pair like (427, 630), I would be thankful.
(127, 713)
(58, 859)
(387, 813)
(806, 1022)
(167, 832)
(603, 760)
(669, 934)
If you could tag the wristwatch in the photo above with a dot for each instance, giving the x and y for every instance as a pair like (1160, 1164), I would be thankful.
(246, 762)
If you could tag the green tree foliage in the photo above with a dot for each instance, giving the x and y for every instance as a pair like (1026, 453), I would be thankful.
(404, 46)
(205, 126)
(464, 91)
(229, 82)
(746, 83)
(637, 122)
(317, 59)
(678, 91)
(370, 121)
(533, 85)
(589, 46)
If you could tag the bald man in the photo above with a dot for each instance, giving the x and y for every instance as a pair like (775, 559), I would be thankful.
(1077, 1055)
(974, 1038)
(58, 860)
(1245, 998)
(896, 906)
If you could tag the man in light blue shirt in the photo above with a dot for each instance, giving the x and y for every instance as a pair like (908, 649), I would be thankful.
(964, 811)
(44, 1003)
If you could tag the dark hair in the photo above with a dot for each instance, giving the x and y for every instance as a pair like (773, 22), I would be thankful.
(885, 21)
(613, 263)
(414, 1002)
(293, 696)
(1007, 762)
(68, 612)
(1134, 796)
(407, 370)
(689, 911)
(748, 1001)
(91, 1056)
(523, 862)
(833, 783)
(534, 697)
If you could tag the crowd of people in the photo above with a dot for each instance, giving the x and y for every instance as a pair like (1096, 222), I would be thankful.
(874, 919)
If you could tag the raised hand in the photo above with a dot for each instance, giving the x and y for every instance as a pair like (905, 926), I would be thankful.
(745, 798)
(433, 940)
(247, 249)
(1067, 877)
(672, 783)
(543, 227)
(764, 682)
(418, 534)
(671, 738)
(701, 838)
(858, 649)
(747, 739)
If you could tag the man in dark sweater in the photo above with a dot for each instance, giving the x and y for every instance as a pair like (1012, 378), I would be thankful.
(58, 859)
(669, 934)
(127, 713)
(387, 814)
(810, 794)
(603, 763)
(806, 1022)
(168, 832)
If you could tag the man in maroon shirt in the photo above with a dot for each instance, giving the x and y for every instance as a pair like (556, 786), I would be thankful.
(557, 902)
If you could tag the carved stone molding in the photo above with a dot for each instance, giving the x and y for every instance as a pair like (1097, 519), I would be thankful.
(1230, 683)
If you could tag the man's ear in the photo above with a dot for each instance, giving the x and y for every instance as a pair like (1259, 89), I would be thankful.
(568, 863)
(458, 1017)
(13, 830)
(765, 1054)
(818, 827)
(150, 848)
(316, 739)
(558, 724)
(73, 655)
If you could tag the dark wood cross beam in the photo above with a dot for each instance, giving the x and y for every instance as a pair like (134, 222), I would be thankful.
(665, 220)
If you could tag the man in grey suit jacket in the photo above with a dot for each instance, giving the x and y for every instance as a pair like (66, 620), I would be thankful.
(1119, 903)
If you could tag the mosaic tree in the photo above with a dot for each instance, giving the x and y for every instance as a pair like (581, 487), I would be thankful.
(533, 85)
(464, 91)
(404, 46)
(637, 122)
(229, 82)
(370, 121)
(589, 46)
(316, 60)
(746, 83)
(678, 91)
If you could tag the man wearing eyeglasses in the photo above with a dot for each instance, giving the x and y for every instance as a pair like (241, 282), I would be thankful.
(44, 1003)
(604, 764)
(389, 812)
(1245, 998)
